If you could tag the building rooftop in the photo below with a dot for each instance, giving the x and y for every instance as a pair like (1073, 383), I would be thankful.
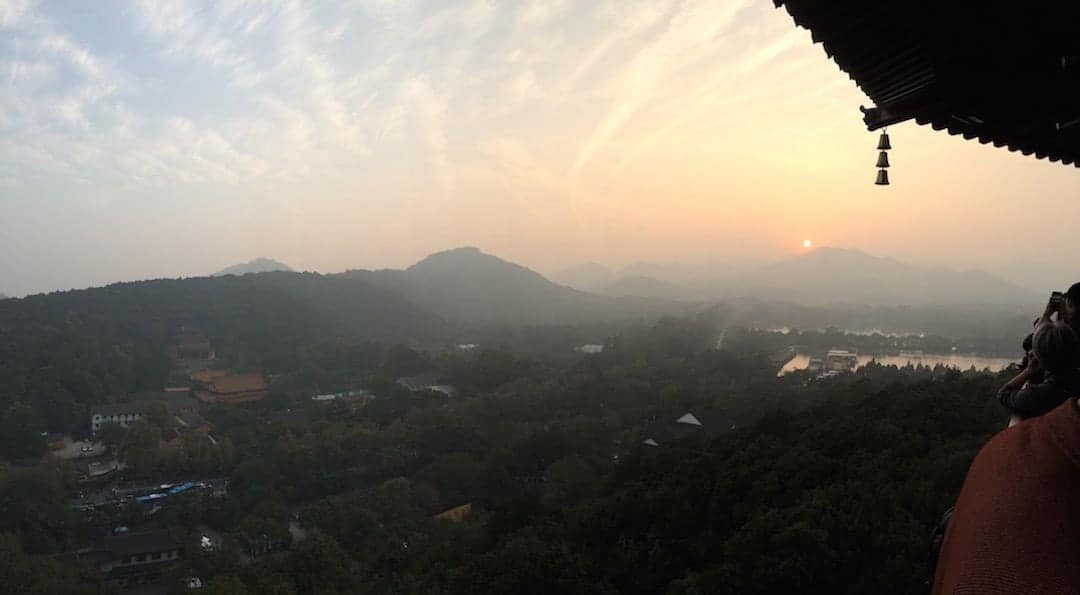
(1001, 72)
(191, 420)
(238, 383)
(705, 422)
(131, 544)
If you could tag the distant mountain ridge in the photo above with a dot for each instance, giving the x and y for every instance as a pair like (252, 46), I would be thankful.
(258, 265)
(467, 285)
(846, 275)
(1045, 277)
(643, 286)
(827, 276)
(590, 276)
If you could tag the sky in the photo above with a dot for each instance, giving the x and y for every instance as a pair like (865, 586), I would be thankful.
(174, 138)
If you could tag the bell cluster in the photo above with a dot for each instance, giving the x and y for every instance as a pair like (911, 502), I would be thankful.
(883, 146)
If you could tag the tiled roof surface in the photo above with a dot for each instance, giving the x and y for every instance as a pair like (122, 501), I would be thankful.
(1002, 72)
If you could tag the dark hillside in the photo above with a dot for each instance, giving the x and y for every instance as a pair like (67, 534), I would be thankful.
(63, 350)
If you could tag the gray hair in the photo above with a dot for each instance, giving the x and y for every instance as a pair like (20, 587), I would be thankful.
(1056, 345)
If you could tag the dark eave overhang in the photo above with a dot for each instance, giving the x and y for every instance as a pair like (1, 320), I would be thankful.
(1003, 72)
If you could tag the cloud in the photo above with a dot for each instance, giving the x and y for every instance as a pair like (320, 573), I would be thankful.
(535, 12)
(534, 105)
(694, 26)
(206, 34)
(291, 90)
(719, 91)
(428, 110)
(74, 54)
(12, 12)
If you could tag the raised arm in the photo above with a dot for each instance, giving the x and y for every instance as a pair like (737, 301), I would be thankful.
(1055, 304)
(1016, 395)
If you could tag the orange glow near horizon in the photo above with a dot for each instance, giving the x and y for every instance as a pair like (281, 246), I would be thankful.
(547, 133)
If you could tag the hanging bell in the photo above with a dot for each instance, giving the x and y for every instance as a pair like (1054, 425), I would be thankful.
(883, 159)
(882, 178)
(883, 142)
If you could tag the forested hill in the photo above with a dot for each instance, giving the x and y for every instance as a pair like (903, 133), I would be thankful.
(470, 286)
(63, 350)
(837, 498)
(789, 485)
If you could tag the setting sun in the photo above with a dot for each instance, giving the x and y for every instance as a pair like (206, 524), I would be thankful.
(807, 243)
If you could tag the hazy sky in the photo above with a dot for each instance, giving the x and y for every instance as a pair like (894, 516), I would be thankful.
(174, 138)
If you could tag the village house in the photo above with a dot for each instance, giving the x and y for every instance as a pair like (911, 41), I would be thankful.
(427, 381)
(130, 412)
(233, 389)
(123, 414)
(133, 559)
(96, 468)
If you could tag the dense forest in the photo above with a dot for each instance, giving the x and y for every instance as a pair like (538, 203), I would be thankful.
(64, 351)
(792, 483)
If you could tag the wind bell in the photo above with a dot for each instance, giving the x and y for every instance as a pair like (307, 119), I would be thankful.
(883, 145)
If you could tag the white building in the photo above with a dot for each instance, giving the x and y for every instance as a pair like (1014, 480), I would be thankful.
(841, 360)
(124, 414)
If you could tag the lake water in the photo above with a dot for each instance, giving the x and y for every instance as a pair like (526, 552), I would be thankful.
(861, 332)
(952, 360)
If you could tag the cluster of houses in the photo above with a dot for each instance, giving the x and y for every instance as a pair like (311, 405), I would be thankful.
(132, 559)
(196, 381)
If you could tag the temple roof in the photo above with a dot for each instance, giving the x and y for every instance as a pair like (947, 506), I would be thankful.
(1002, 72)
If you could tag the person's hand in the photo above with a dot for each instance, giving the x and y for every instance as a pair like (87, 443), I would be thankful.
(1032, 364)
(1052, 306)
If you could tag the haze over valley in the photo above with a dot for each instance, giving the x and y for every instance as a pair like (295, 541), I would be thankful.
(537, 297)
(819, 288)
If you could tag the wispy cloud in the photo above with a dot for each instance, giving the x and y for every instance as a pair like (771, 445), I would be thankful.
(689, 33)
(304, 87)
(539, 108)
(12, 12)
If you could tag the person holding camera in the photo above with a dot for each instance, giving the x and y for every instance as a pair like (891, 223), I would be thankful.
(1019, 493)
(1070, 307)
(1050, 376)
(1067, 307)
